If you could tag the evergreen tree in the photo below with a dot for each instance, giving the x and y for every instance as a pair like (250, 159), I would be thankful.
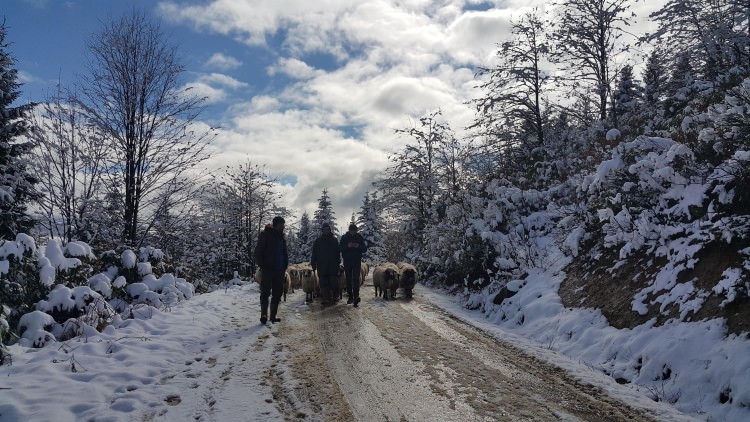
(654, 80)
(16, 184)
(713, 33)
(371, 228)
(304, 239)
(678, 90)
(324, 214)
(625, 99)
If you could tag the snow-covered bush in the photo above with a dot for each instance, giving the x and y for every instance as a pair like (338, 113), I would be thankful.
(518, 224)
(69, 265)
(57, 297)
(33, 327)
(20, 284)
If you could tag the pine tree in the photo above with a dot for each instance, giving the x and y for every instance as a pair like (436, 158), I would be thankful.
(654, 80)
(324, 214)
(16, 184)
(678, 89)
(371, 228)
(304, 239)
(625, 99)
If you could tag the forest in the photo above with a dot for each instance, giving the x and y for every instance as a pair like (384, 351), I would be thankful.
(580, 148)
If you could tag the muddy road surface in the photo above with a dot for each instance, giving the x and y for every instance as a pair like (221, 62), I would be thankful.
(407, 360)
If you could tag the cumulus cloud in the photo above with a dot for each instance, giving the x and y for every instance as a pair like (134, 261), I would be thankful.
(294, 68)
(223, 80)
(203, 90)
(333, 127)
(214, 87)
(223, 62)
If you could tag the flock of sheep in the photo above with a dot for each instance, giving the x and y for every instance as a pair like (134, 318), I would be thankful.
(386, 278)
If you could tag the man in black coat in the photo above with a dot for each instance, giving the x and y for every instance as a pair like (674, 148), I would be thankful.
(272, 257)
(352, 247)
(326, 260)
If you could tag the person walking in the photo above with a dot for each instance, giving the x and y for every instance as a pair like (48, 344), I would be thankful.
(272, 257)
(326, 260)
(352, 247)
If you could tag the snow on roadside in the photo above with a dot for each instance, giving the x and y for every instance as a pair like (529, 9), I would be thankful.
(147, 365)
(689, 364)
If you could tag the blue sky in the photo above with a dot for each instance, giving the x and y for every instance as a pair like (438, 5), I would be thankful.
(313, 90)
(49, 40)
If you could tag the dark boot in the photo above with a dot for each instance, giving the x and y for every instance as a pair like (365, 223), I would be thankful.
(274, 310)
(263, 313)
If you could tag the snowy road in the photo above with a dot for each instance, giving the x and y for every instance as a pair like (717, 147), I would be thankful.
(409, 360)
(209, 359)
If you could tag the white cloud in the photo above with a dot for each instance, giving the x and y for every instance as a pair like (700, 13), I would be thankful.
(250, 20)
(395, 61)
(203, 90)
(223, 62)
(214, 87)
(294, 68)
(223, 80)
(473, 36)
(26, 77)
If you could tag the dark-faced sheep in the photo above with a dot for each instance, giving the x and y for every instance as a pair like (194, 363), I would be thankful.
(407, 277)
(295, 282)
(385, 280)
(340, 283)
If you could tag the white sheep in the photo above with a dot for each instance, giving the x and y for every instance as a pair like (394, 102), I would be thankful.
(310, 282)
(364, 270)
(385, 280)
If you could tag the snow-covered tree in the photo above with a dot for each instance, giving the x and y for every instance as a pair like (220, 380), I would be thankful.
(68, 157)
(713, 33)
(409, 187)
(625, 100)
(236, 205)
(371, 227)
(134, 96)
(16, 183)
(589, 35)
(324, 214)
(654, 79)
(515, 88)
(303, 242)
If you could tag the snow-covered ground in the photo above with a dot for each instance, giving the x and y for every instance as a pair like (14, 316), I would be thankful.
(145, 366)
(122, 373)
(692, 365)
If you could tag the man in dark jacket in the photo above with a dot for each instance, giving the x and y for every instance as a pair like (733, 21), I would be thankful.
(272, 257)
(326, 260)
(352, 247)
